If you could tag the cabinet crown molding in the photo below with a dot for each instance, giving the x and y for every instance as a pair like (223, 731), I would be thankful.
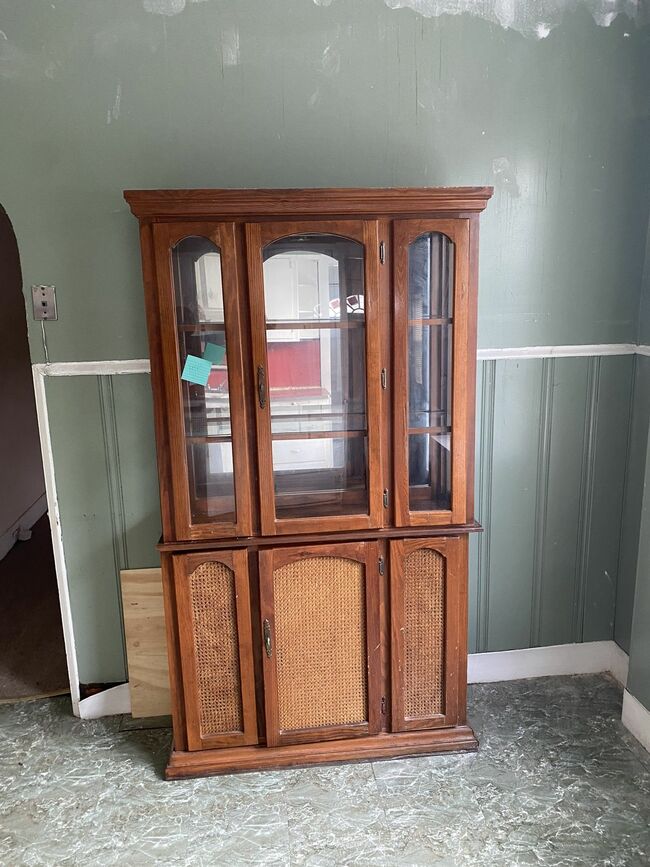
(339, 201)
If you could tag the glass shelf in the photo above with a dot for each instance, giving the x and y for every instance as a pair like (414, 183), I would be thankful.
(290, 324)
(440, 320)
(200, 326)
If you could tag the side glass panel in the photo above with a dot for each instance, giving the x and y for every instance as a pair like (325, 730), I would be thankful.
(316, 350)
(430, 341)
(196, 267)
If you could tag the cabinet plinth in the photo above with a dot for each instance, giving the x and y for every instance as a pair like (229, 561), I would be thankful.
(313, 360)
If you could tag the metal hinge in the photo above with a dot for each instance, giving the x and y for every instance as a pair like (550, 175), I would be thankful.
(384, 378)
(381, 565)
(382, 252)
(383, 705)
(385, 498)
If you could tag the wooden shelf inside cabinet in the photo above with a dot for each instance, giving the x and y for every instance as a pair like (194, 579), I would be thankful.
(313, 359)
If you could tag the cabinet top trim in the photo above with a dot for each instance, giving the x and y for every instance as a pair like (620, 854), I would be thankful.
(189, 204)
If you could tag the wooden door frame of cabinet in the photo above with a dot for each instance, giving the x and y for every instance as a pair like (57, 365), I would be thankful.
(366, 553)
(237, 563)
(165, 236)
(463, 235)
(177, 695)
(454, 551)
(385, 354)
(365, 232)
(156, 355)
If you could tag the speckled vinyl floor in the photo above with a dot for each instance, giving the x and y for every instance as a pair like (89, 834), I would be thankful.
(557, 781)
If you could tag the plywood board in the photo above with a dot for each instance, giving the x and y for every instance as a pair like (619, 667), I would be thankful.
(146, 648)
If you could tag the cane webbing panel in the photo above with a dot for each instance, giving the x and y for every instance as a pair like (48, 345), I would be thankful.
(216, 649)
(320, 643)
(424, 632)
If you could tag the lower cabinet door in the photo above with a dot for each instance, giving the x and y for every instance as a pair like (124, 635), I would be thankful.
(214, 626)
(428, 580)
(320, 633)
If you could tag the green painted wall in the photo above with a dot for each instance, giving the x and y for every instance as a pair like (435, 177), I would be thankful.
(633, 501)
(644, 307)
(639, 674)
(101, 96)
(637, 581)
(97, 97)
(552, 444)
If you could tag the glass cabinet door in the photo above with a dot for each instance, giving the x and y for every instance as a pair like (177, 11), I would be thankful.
(431, 322)
(203, 373)
(313, 305)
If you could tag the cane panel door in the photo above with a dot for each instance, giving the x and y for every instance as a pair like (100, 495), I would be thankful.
(320, 628)
(216, 649)
(427, 616)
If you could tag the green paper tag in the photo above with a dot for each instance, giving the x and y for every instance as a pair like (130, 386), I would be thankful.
(214, 353)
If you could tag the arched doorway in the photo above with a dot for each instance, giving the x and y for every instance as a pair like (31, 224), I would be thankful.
(32, 653)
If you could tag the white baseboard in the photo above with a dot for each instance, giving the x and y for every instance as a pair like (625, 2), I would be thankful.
(115, 700)
(25, 522)
(636, 719)
(591, 657)
(620, 663)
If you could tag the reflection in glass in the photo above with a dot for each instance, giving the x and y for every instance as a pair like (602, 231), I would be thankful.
(429, 471)
(196, 269)
(320, 476)
(207, 410)
(313, 277)
(212, 487)
(316, 350)
(431, 274)
(196, 264)
(430, 332)
(317, 381)
(429, 376)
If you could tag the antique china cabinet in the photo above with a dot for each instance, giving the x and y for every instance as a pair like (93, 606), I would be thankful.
(313, 367)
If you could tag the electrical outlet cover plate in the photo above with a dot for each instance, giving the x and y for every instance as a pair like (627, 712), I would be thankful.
(44, 302)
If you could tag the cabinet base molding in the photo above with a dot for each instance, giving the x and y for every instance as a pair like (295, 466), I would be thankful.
(203, 763)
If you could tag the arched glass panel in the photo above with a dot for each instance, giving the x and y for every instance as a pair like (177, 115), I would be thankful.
(430, 333)
(196, 268)
(316, 346)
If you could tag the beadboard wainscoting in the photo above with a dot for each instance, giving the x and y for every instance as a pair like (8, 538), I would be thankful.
(552, 442)
(552, 445)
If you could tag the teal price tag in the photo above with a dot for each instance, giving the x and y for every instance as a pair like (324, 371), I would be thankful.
(196, 370)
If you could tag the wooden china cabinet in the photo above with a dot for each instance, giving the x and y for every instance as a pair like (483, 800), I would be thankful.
(313, 369)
